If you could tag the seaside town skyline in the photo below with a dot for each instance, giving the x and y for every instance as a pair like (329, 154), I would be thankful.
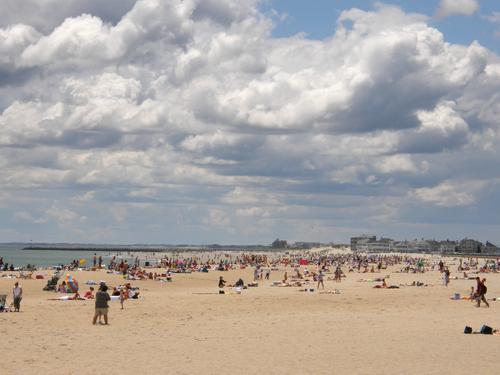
(148, 121)
(361, 243)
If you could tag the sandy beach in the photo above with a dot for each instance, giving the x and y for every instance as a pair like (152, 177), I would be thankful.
(186, 327)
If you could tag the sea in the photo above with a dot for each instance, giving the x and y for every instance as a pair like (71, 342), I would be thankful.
(14, 254)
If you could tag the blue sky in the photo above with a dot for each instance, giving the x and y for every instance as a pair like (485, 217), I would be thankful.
(317, 18)
(225, 121)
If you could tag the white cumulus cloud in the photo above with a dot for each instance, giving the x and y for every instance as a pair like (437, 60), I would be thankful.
(457, 7)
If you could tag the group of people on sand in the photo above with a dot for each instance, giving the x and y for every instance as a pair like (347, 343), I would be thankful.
(17, 296)
(238, 284)
(102, 298)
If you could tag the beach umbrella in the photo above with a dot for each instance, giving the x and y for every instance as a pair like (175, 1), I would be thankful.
(71, 284)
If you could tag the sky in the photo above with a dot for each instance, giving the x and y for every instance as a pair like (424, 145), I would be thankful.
(238, 122)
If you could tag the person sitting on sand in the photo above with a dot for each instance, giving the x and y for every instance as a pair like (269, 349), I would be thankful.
(62, 288)
(383, 286)
(132, 293)
(239, 283)
(298, 275)
(222, 282)
(76, 297)
(89, 294)
(472, 294)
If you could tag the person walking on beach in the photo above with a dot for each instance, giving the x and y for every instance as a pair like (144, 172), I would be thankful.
(481, 292)
(17, 294)
(123, 296)
(446, 276)
(100, 261)
(101, 304)
(94, 259)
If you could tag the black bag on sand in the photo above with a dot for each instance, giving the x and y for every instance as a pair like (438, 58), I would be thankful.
(485, 330)
(467, 329)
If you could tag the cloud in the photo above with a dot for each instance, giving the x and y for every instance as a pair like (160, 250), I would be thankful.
(457, 7)
(115, 119)
(440, 129)
(451, 193)
(45, 15)
(494, 18)
(23, 216)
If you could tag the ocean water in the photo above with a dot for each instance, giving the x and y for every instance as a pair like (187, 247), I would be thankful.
(13, 254)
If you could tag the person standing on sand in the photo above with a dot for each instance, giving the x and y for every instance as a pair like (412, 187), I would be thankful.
(94, 259)
(17, 294)
(320, 280)
(101, 304)
(268, 273)
(100, 261)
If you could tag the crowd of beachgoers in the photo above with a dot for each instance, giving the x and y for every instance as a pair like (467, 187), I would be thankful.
(307, 269)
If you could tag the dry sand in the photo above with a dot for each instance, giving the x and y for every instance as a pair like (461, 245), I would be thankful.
(185, 327)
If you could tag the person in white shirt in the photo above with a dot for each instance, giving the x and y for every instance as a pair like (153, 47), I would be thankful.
(17, 294)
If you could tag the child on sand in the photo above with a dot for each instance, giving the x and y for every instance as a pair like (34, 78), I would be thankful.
(123, 296)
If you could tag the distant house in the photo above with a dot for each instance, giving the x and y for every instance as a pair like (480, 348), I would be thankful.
(279, 244)
(305, 245)
(362, 240)
(369, 244)
(490, 248)
(469, 246)
(448, 246)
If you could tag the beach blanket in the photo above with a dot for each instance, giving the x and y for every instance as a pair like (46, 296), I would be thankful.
(336, 291)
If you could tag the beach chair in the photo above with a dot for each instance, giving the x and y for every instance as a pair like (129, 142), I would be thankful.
(52, 283)
(3, 301)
